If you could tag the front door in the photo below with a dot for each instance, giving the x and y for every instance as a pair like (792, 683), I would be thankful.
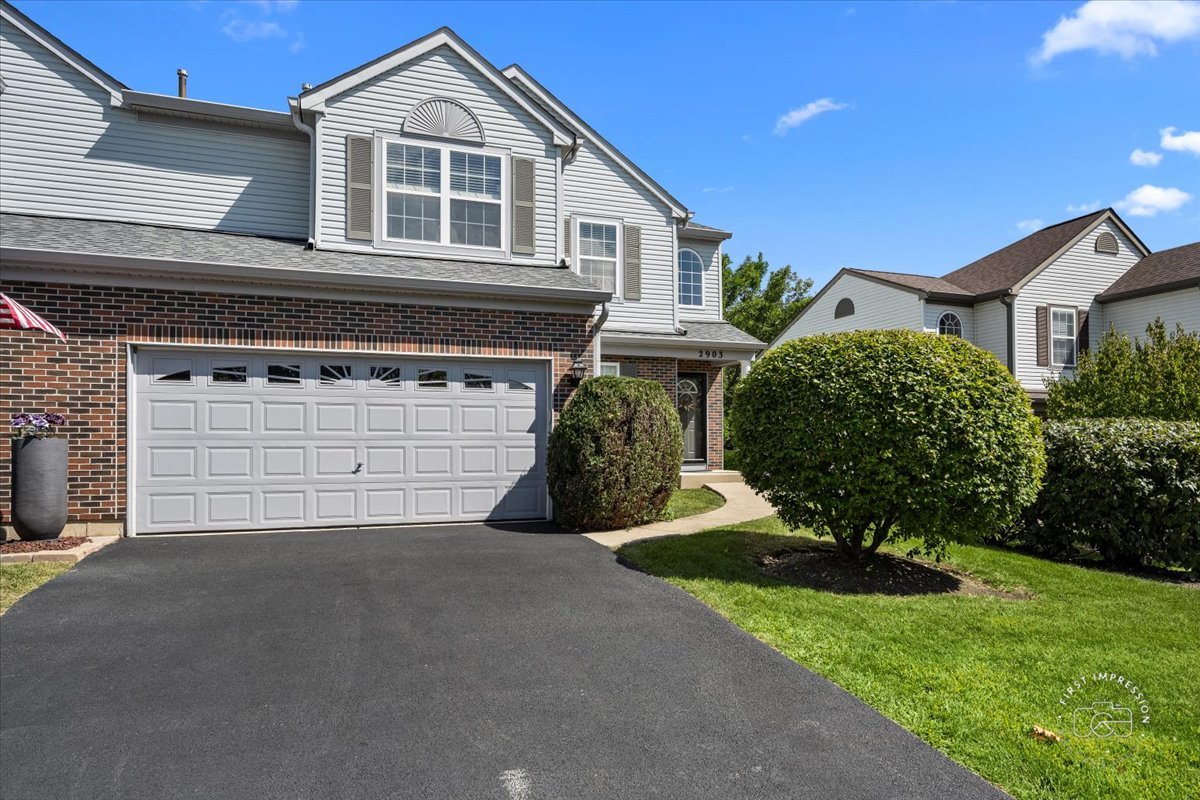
(690, 393)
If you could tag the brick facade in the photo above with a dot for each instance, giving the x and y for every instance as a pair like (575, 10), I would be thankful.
(666, 371)
(85, 378)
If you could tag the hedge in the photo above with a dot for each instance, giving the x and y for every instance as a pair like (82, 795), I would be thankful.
(615, 455)
(1128, 489)
(870, 435)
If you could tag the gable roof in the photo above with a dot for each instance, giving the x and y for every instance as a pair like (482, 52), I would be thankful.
(315, 98)
(520, 77)
(1164, 271)
(61, 49)
(938, 288)
(694, 230)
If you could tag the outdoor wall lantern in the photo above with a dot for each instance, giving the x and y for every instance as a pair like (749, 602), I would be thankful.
(578, 370)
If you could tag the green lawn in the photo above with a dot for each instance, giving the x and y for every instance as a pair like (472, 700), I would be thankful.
(689, 502)
(971, 675)
(20, 579)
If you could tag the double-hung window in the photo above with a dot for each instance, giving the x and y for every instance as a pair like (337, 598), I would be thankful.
(441, 195)
(598, 254)
(1062, 337)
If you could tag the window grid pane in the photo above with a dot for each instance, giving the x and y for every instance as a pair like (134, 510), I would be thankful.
(1062, 323)
(474, 223)
(411, 216)
(691, 279)
(475, 174)
(413, 167)
(602, 272)
(598, 241)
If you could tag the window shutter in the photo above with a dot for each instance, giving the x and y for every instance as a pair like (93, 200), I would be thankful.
(359, 197)
(628, 370)
(523, 206)
(1043, 336)
(567, 238)
(1081, 330)
(633, 262)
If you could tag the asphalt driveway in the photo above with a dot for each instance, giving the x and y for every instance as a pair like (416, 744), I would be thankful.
(447, 662)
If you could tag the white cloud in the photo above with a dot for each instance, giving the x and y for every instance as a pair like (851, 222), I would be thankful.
(1144, 158)
(1186, 142)
(242, 28)
(1128, 28)
(1148, 201)
(1084, 208)
(1030, 225)
(717, 189)
(799, 116)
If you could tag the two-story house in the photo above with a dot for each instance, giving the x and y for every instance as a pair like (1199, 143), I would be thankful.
(1035, 303)
(367, 309)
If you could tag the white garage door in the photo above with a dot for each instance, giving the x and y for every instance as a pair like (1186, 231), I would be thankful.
(230, 441)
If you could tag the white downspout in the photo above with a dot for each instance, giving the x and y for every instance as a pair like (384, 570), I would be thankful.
(298, 121)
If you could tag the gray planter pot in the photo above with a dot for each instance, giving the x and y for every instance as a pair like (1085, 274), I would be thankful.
(39, 487)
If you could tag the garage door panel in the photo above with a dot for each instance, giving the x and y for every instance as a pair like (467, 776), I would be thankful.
(229, 440)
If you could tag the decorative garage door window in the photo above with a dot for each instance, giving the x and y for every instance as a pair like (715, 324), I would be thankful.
(260, 442)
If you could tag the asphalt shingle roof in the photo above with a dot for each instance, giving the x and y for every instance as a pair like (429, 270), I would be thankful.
(132, 240)
(924, 283)
(1176, 268)
(696, 331)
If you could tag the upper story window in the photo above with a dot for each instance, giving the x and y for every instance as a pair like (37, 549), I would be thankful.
(844, 308)
(442, 195)
(598, 254)
(950, 324)
(691, 279)
(1063, 333)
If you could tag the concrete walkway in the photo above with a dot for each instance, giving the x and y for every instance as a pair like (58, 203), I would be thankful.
(741, 505)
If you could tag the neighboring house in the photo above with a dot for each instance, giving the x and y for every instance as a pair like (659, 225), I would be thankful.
(1035, 303)
(365, 310)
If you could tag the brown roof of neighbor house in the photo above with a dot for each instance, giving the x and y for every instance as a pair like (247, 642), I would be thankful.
(1008, 266)
(937, 287)
(1164, 271)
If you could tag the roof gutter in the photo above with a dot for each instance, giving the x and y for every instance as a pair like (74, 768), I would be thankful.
(282, 275)
(298, 121)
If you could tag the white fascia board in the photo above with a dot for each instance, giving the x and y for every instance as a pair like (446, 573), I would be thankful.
(515, 73)
(315, 99)
(282, 275)
(39, 35)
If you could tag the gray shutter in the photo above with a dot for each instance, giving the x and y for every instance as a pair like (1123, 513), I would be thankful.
(1043, 336)
(633, 262)
(567, 238)
(628, 370)
(523, 206)
(359, 199)
(1081, 330)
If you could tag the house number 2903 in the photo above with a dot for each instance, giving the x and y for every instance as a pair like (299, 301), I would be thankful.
(711, 353)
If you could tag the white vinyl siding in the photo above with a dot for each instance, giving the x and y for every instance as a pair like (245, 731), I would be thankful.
(876, 305)
(991, 328)
(710, 255)
(381, 106)
(1073, 281)
(596, 186)
(1130, 317)
(65, 151)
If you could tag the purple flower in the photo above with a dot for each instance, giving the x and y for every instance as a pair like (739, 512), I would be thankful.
(40, 422)
(55, 419)
(21, 420)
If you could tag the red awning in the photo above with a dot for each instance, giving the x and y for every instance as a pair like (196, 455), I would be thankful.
(15, 315)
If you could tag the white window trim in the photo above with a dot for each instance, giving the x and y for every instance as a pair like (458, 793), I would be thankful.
(962, 329)
(383, 242)
(1074, 335)
(703, 304)
(614, 365)
(577, 256)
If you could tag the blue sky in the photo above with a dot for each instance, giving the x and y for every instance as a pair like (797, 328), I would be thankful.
(904, 136)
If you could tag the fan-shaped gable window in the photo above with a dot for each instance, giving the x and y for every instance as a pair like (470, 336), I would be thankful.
(445, 119)
(844, 308)
(691, 279)
(1107, 243)
(950, 324)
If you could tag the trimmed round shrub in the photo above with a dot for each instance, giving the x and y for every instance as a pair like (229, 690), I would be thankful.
(1128, 489)
(873, 435)
(615, 455)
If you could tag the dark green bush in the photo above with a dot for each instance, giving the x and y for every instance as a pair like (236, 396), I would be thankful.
(615, 454)
(1155, 376)
(870, 435)
(1127, 488)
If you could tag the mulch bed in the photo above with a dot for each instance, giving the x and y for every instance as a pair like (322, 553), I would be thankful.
(65, 543)
(820, 566)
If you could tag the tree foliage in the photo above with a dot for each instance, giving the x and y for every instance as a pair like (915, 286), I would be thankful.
(761, 302)
(1156, 377)
(870, 435)
(615, 455)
